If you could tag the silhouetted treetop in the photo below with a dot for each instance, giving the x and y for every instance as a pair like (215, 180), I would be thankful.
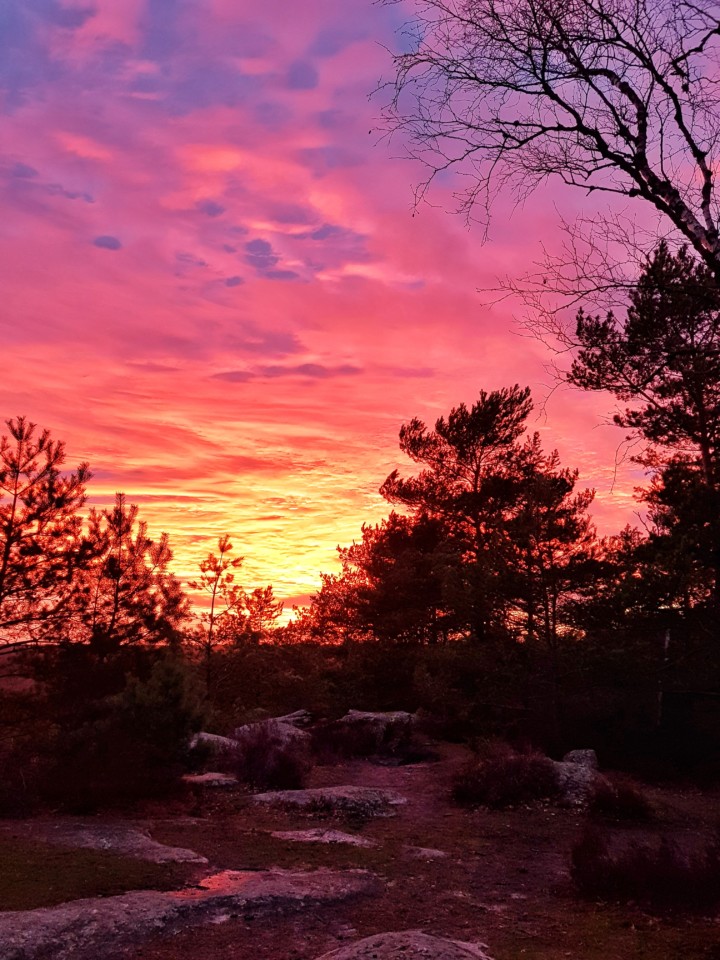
(614, 96)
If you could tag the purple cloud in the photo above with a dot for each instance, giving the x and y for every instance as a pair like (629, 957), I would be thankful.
(107, 242)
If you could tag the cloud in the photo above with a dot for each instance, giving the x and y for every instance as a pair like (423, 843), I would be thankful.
(233, 281)
(308, 371)
(301, 75)
(333, 40)
(259, 254)
(107, 242)
(313, 371)
(211, 208)
(23, 171)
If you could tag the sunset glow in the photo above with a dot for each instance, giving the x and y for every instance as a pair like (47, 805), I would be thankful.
(216, 289)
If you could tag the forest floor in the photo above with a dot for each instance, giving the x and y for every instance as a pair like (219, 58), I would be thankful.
(496, 877)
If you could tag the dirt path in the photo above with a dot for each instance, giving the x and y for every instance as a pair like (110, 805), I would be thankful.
(503, 879)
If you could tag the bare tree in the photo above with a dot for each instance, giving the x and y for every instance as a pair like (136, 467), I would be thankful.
(610, 96)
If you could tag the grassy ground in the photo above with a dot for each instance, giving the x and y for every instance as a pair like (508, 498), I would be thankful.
(41, 875)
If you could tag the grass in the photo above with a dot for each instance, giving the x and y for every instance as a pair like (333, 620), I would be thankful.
(42, 875)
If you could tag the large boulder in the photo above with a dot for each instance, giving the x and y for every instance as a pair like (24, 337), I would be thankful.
(213, 743)
(578, 777)
(408, 945)
(278, 730)
(362, 733)
(584, 758)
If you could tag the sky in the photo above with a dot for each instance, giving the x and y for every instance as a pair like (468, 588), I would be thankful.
(216, 288)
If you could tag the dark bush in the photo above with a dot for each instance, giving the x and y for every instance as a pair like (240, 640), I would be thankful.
(619, 798)
(266, 760)
(655, 874)
(127, 747)
(504, 778)
(396, 743)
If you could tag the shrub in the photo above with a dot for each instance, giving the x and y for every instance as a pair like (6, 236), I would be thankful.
(266, 760)
(619, 798)
(127, 747)
(397, 743)
(504, 778)
(656, 874)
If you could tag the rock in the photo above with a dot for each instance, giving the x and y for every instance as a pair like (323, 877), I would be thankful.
(584, 758)
(426, 853)
(576, 782)
(408, 945)
(210, 779)
(284, 734)
(110, 926)
(126, 839)
(317, 835)
(216, 744)
(300, 718)
(353, 801)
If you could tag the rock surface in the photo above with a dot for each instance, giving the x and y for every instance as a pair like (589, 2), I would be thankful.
(577, 782)
(210, 779)
(408, 945)
(278, 730)
(126, 839)
(354, 801)
(584, 758)
(106, 927)
(318, 835)
(215, 743)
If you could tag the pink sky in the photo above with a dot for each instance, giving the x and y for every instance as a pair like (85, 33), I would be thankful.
(214, 287)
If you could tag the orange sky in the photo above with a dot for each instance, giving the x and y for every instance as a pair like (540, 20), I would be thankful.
(214, 287)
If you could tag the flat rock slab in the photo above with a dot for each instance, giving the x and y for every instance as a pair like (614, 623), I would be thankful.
(353, 801)
(426, 853)
(107, 927)
(125, 839)
(210, 779)
(318, 835)
(408, 945)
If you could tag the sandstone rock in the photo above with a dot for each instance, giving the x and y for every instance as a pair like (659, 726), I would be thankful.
(210, 779)
(284, 734)
(353, 801)
(585, 758)
(426, 853)
(577, 782)
(126, 839)
(318, 835)
(108, 927)
(408, 945)
(216, 744)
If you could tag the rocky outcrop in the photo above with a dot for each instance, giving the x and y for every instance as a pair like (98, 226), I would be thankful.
(363, 802)
(578, 777)
(212, 778)
(318, 835)
(281, 733)
(584, 758)
(214, 743)
(107, 927)
(125, 839)
(408, 945)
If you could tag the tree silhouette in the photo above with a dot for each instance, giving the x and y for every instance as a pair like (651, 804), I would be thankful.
(42, 547)
(663, 361)
(610, 96)
(469, 482)
(127, 593)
